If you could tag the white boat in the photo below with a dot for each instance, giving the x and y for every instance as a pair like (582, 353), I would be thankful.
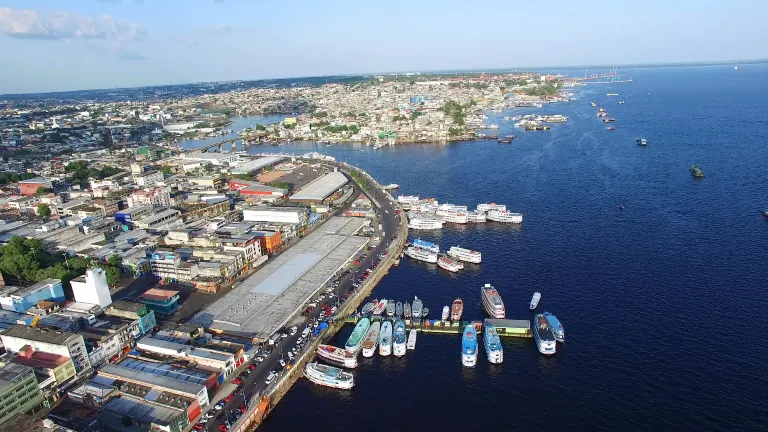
(492, 302)
(469, 346)
(485, 207)
(492, 342)
(452, 207)
(543, 335)
(449, 216)
(557, 328)
(466, 255)
(355, 341)
(475, 217)
(371, 341)
(329, 376)
(385, 339)
(410, 199)
(422, 223)
(380, 307)
(423, 244)
(421, 254)
(412, 339)
(611, 94)
(391, 186)
(535, 300)
(446, 263)
(505, 216)
(398, 339)
(391, 308)
(337, 356)
(417, 307)
(446, 313)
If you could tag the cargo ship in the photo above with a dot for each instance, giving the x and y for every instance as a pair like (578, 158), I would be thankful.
(542, 333)
(448, 264)
(423, 244)
(466, 255)
(337, 356)
(557, 328)
(469, 346)
(505, 216)
(493, 348)
(399, 343)
(371, 341)
(421, 254)
(457, 309)
(355, 340)
(385, 339)
(492, 302)
(696, 171)
(329, 376)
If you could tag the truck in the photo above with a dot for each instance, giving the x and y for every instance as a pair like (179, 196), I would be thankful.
(272, 339)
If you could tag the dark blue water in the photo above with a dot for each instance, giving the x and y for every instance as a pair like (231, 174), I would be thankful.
(663, 303)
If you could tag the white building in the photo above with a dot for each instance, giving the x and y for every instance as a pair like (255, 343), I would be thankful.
(148, 178)
(157, 197)
(289, 215)
(51, 341)
(92, 288)
(166, 219)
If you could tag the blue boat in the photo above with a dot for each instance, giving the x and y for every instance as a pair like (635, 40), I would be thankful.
(492, 343)
(423, 244)
(469, 346)
(557, 328)
(399, 346)
(543, 335)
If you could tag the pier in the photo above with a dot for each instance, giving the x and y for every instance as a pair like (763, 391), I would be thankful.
(504, 327)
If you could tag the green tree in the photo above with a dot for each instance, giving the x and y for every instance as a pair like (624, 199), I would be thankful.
(167, 170)
(416, 114)
(43, 191)
(113, 276)
(115, 261)
(44, 211)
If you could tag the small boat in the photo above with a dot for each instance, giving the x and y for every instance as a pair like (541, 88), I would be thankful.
(355, 340)
(412, 339)
(612, 94)
(446, 313)
(424, 312)
(417, 308)
(398, 346)
(329, 376)
(535, 300)
(542, 333)
(380, 307)
(399, 309)
(457, 309)
(385, 339)
(397, 262)
(368, 307)
(371, 341)
(765, 213)
(621, 102)
(390, 308)
(448, 264)
(593, 104)
(337, 356)
(493, 348)
(557, 328)
(407, 310)
(391, 186)
(696, 171)
(469, 346)
(610, 128)
(641, 142)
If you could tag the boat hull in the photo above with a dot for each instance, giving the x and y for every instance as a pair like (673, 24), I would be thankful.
(474, 259)
(469, 360)
(490, 309)
(340, 358)
(398, 349)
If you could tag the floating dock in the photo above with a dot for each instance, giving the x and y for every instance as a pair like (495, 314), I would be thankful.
(513, 328)
(504, 327)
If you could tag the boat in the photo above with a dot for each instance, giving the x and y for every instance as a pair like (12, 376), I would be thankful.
(446, 313)
(610, 128)
(641, 141)
(485, 207)
(368, 307)
(398, 338)
(457, 308)
(492, 343)
(621, 102)
(765, 213)
(469, 346)
(505, 216)
(408, 199)
(475, 217)
(425, 224)
(390, 308)
(696, 171)
(466, 255)
(557, 328)
(535, 300)
(385, 339)
(424, 312)
(612, 94)
(418, 308)
(399, 309)
(593, 104)
(391, 186)
(355, 340)
(542, 333)
(508, 139)
(446, 263)
(380, 307)
(407, 310)
(329, 376)
(423, 244)
(421, 254)
(492, 302)
(371, 339)
(397, 262)
(337, 356)
(450, 216)
(411, 339)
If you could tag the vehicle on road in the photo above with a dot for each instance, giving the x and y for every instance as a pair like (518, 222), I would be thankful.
(229, 397)
(237, 381)
(270, 378)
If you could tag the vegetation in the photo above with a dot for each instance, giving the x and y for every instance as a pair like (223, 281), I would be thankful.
(167, 170)
(548, 89)
(290, 125)
(80, 172)
(342, 128)
(454, 132)
(9, 177)
(455, 111)
(43, 191)
(280, 184)
(259, 127)
(358, 176)
(319, 125)
(246, 177)
(44, 211)
(399, 117)
(416, 114)
(320, 114)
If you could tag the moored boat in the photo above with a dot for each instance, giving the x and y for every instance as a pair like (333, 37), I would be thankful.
(371, 341)
(390, 308)
(391, 186)
(417, 308)
(399, 309)
(355, 340)
(329, 376)
(425, 224)
(535, 300)
(557, 328)
(485, 207)
(492, 301)
(398, 339)
(543, 335)
(469, 346)
(466, 255)
(505, 216)
(475, 217)
(493, 348)
(407, 310)
(424, 312)
(421, 254)
(425, 245)
(446, 263)
(457, 309)
(446, 313)
(411, 339)
(380, 307)
(337, 356)
(385, 339)
(368, 307)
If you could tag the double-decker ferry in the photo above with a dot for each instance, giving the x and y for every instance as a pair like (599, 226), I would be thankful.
(422, 223)
(466, 255)
(469, 346)
(371, 340)
(337, 356)
(493, 348)
(485, 207)
(385, 339)
(421, 254)
(504, 216)
(475, 217)
(450, 216)
(423, 244)
(492, 301)
(542, 333)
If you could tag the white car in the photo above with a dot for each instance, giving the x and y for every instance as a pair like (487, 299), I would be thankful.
(294, 329)
(290, 356)
(219, 406)
(282, 362)
(270, 378)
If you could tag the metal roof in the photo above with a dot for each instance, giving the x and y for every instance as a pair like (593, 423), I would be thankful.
(253, 165)
(151, 379)
(319, 189)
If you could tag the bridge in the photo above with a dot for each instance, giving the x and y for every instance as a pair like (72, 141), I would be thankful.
(219, 146)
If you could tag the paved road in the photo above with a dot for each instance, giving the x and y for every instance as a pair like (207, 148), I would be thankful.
(255, 383)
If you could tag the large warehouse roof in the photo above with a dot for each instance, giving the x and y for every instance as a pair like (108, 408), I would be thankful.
(319, 189)
(252, 165)
(262, 303)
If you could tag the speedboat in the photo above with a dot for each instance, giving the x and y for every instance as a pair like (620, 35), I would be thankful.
(457, 308)
(385, 339)
(557, 328)
(411, 339)
(542, 333)
(446, 263)
(424, 312)
(469, 346)
(446, 313)
(535, 300)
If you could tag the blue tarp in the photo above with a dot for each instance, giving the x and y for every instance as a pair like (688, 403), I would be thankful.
(320, 328)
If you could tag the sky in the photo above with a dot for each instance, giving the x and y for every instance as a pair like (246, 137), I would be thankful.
(57, 45)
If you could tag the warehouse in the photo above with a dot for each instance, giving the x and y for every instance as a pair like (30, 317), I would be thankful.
(320, 189)
(250, 166)
(290, 215)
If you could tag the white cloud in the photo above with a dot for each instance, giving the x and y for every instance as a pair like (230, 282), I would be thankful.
(29, 24)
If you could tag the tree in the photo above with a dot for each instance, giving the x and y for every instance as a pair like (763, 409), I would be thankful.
(43, 191)
(115, 261)
(44, 211)
(113, 276)
(167, 170)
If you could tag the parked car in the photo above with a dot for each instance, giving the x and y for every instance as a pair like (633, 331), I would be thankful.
(270, 378)
(294, 329)
(282, 362)
(237, 381)
(229, 397)
(219, 406)
(198, 427)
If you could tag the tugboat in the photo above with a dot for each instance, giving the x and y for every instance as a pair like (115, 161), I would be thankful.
(641, 142)
(696, 171)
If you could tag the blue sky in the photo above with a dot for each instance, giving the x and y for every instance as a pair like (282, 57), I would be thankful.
(52, 45)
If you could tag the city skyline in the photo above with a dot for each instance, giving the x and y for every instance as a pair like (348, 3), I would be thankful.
(132, 43)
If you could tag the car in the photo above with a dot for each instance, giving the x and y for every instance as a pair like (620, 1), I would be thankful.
(331, 295)
(237, 381)
(283, 335)
(229, 397)
(203, 420)
(223, 427)
(208, 415)
(385, 253)
(357, 262)
(282, 362)
(270, 378)
(219, 406)
(333, 310)
(299, 340)
(242, 408)
(290, 355)
(198, 427)
(294, 329)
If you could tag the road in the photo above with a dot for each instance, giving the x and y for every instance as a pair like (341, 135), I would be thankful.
(254, 384)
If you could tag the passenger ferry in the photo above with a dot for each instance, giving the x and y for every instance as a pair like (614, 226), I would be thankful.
(475, 217)
(380, 307)
(469, 346)
(466, 255)
(535, 300)
(423, 244)
(391, 186)
(492, 302)
(329, 376)
(457, 308)
(557, 328)
(398, 346)
(385, 339)
(355, 340)
(371, 341)
(446, 263)
(422, 223)
(493, 348)
(491, 206)
(411, 340)
(452, 216)
(542, 333)
(407, 199)
(421, 254)
(337, 356)
(505, 216)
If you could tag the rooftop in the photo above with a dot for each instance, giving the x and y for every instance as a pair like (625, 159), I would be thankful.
(255, 164)
(150, 379)
(39, 359)
(142, 411)
(54, 337)
(158, 294)
(24, 291)
(182, 374)
(137, 209)
(320, 189)
(128, 306)
(158, 216)
(11, 373)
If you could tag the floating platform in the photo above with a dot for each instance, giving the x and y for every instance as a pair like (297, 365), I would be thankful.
(504, 327)
(513, 328)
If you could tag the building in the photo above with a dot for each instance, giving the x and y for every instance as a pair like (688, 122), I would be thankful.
(107, 339)
(50, 341)
(19, 299)
(250, 189)
(19, 392)
(128, 216)
(168, 265)
(107, 207)
(47, 365)
(30, 187)
(148, 178)
(320, 189)
(220, 361)
(164, 302)
(250, 166)
(206, 209)
(270, 241)
(291, 215)
(206, 182)
(163, 220)
(189, 374)
(136, 312)
(156, 197)
(246, 244)
(92, 288)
